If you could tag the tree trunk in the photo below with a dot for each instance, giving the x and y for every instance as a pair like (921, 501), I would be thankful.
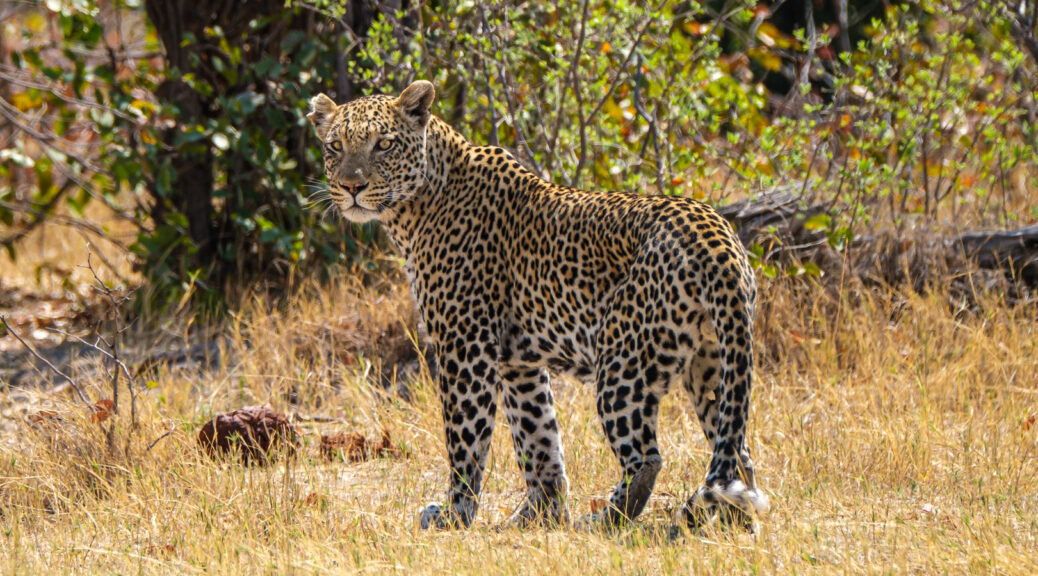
(192, 184)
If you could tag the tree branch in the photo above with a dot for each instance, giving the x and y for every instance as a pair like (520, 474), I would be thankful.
(79, 391)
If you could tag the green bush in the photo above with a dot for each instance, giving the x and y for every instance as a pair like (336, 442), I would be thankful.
(927, 120)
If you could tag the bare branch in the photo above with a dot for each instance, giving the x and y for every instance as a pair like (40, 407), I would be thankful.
(621, 73)
(508, 88)
(101, 256)
(48, 141)
(578, 94)
(20, 79)
(113, 345)
(115, 359)
(172, 429)
(79, 391)
(492, 137)
(654, 132)
(1023, 26)
(67, 221)
(841, 16)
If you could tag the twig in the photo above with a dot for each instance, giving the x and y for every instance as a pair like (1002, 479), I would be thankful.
(584, 120)
(113, 345)
(1022, 30)
(57, 93)
(119, 363)
(509, 91)
(79, 391)
(578, 94)
(492, 137)
(47, 142)
(104, 260)
(172, 428)
(68, 221)
(16, 117)
(553, 140)
(721, 19)
(654, 132)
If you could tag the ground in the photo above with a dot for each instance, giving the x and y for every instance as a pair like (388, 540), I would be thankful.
(893, 433)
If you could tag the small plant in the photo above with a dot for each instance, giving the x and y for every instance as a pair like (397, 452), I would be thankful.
(106, 337)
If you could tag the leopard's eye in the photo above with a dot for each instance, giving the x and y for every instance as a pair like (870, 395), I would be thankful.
(335, 145)
(385, 144)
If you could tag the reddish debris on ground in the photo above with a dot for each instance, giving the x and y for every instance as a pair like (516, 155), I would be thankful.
(102, 409)
(166, 550)
(99, 412)
(354, 447)
(257, 431)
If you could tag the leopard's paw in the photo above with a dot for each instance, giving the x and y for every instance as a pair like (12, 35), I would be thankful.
(733, 504)
(436, 517)
(552, 513)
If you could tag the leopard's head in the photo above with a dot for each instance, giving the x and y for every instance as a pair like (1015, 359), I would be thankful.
(374, 149)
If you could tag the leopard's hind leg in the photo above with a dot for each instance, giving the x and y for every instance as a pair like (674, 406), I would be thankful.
(641, 349)
(720, 379)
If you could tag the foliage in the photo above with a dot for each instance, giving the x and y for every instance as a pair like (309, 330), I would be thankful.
(90, 122)
(252, 142)
(910, 115)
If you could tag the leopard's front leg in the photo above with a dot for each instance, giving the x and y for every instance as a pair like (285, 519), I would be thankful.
(469, 406)
(530, 408)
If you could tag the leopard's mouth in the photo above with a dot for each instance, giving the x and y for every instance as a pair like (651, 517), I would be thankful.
(366, 208)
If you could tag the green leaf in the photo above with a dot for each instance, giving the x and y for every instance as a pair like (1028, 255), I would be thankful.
(818, 222)
(77, 202)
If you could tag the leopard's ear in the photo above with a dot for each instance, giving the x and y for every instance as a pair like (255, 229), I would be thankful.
(414, 102)
(322, 110)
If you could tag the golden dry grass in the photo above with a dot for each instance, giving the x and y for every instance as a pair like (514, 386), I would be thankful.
(893, 433)
(54, 257)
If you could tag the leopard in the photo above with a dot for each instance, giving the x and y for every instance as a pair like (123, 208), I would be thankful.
(519, 280)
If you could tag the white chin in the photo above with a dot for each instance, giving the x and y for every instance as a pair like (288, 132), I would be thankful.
(359, 215)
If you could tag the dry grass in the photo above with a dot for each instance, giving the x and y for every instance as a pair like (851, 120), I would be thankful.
(52, 258)
(893, 434)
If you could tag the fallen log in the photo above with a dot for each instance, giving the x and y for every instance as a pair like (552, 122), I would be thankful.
(779, 212)
(1015, 252)
(778, 218)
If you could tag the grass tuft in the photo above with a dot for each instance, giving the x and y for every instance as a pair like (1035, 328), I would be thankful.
(893, 432)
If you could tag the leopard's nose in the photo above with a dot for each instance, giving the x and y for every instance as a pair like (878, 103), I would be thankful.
(353, 187)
